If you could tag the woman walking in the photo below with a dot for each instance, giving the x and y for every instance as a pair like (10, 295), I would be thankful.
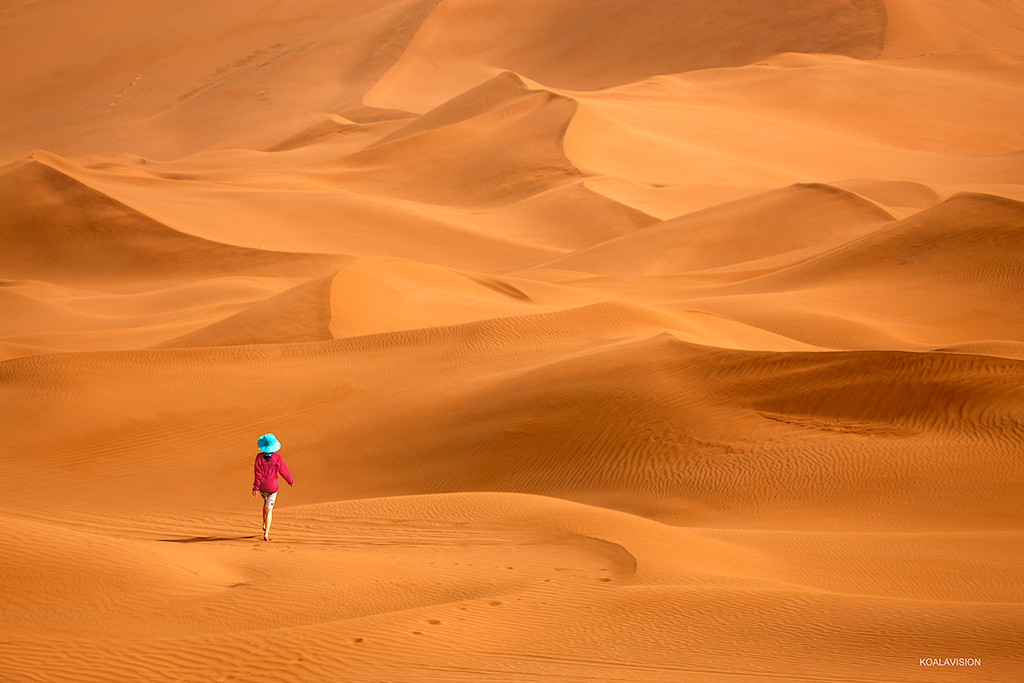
(268, 465)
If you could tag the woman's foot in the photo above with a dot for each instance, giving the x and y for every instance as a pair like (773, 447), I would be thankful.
(266, 536)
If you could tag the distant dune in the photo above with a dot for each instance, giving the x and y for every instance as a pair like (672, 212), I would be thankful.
(606, 341)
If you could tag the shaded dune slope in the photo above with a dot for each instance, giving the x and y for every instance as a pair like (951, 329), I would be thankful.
(946, 26)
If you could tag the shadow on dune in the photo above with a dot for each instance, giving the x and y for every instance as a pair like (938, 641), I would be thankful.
(207, 539)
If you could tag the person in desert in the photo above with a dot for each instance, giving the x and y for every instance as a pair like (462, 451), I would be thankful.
(268, 465)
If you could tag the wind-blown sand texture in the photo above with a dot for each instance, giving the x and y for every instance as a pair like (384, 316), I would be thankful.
(607, 340)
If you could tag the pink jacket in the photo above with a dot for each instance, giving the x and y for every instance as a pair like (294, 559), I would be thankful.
(265, 472)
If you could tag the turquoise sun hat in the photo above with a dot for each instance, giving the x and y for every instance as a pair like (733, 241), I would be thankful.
(268, 443)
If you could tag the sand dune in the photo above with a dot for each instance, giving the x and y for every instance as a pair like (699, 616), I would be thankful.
(896, 194)
(48, 317)
(606, 341)
(917, 28)
(763, 228)
(784, 121)
(575, 46)
(60, 230)
(968, 238)
(508, 141)
(343, 135)
(966, 252)
(136, 91)
(300, 314)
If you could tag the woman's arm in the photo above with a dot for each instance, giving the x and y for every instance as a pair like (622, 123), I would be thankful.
(285, 473)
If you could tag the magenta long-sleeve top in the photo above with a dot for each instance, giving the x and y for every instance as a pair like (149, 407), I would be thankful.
(265, 471)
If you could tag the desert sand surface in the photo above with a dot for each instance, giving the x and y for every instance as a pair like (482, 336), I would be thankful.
(606, 340)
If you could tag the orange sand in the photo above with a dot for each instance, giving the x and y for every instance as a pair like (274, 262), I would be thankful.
(607, 341)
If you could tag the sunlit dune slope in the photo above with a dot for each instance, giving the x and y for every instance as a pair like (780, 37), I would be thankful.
(83, 570)
(527, 567)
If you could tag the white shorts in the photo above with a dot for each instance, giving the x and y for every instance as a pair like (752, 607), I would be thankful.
(268, 499)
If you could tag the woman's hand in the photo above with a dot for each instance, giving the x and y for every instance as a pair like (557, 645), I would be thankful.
(253, 494)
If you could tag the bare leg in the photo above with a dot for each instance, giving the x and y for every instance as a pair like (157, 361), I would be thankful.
(268, 516)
